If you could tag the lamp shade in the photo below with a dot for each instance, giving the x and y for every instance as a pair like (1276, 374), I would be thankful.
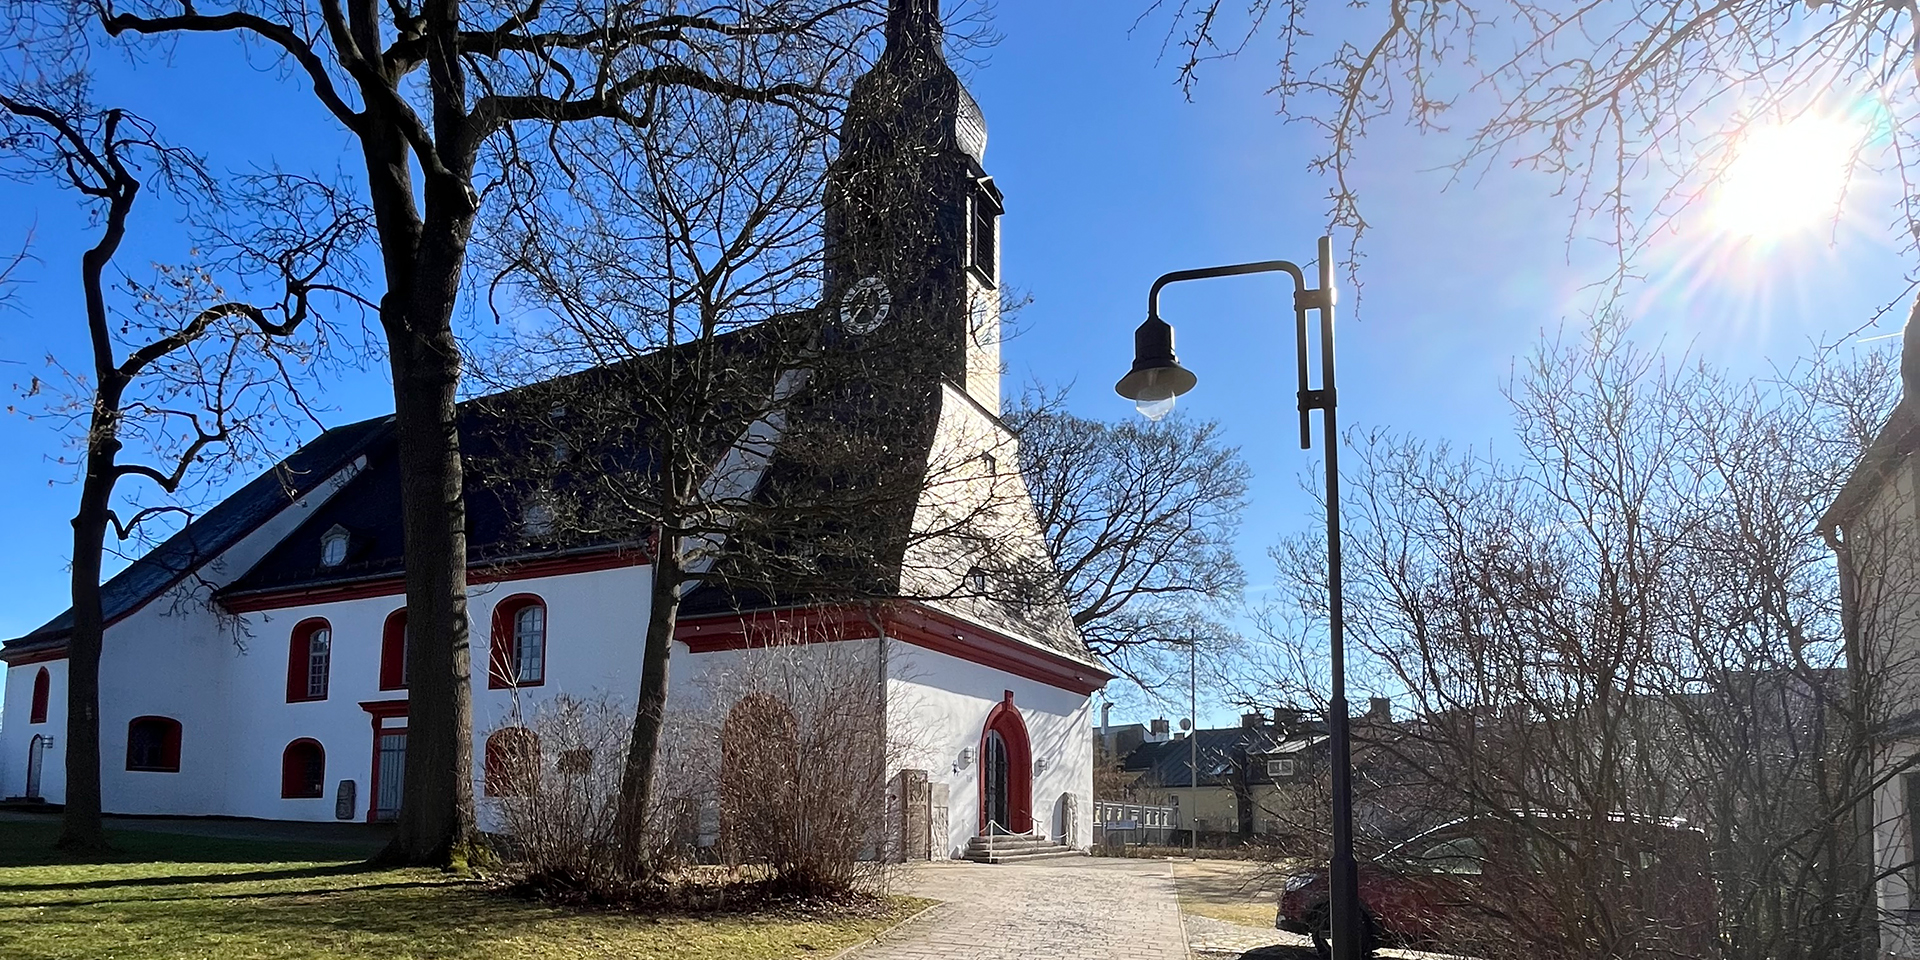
(1156, 375)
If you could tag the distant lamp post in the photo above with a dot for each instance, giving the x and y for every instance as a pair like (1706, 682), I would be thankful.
(1192, 724)
(1156, 380)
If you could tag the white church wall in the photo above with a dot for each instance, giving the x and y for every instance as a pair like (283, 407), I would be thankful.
(596, 622)
(949, 698)
(163, 659)
(18, 709)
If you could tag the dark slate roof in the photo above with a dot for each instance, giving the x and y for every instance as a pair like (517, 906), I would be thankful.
(861, 554)
(219, 528)
(1897, 438)
(1167, 762)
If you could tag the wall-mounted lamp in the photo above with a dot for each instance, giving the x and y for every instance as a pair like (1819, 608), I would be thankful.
(1039, 765)
(966, 759)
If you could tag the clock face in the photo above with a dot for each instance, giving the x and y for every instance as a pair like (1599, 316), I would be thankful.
(865, 305)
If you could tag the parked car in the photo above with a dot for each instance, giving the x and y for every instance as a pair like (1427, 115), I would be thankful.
(1559, 887)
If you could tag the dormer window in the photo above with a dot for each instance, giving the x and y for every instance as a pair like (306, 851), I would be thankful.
(977, 581)
(333, 546)
(983, 242)
(537, 519)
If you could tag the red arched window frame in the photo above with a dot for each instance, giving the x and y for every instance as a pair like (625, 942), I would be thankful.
(1005, 719)
(153, 744)
(513, 759)
(517, 655)
(303, 770)
(393, 651)
(42, 687)
(308, 670)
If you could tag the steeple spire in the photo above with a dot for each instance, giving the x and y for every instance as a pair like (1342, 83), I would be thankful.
(913, 26)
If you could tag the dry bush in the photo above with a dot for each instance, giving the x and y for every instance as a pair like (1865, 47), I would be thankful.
(552, 787)
(800, 752)
(776, 766)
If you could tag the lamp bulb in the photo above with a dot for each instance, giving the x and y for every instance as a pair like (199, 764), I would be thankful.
(1154, 410)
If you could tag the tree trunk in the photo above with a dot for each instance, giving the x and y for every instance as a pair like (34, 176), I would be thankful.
(436, 822)
(81, 829)
(649, 715)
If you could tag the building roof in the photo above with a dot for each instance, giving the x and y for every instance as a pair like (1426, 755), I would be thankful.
(1897, 438)
(213, 532)
(1166, 763)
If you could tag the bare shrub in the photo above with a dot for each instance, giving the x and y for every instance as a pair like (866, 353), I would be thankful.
(776, 766)
(801, 755)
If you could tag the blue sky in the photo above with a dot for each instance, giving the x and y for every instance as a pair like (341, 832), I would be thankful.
(1111, 177)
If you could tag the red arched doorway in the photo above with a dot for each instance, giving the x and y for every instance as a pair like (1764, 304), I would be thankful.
(1006, 770)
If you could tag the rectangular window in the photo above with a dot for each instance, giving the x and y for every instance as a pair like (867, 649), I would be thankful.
(983, 212)
(1280, 768)
(1911, 782)
(319, 650)
(530, 644)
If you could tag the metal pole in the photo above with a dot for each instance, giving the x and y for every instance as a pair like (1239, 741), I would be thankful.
(1346, 919)
(1193, 748)
(1343, 871)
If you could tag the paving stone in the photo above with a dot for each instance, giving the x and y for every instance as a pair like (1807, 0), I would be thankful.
(1071, 909)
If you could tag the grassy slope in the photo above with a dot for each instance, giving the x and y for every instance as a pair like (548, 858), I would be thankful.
(175, 896)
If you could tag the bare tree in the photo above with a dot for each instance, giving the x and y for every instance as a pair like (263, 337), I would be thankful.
(1634, 617)
(1140, 520)
(194, 382)
(1633, 107)
(759, 446)
(463, 94)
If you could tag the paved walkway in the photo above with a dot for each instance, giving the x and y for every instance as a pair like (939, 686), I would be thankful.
(1068, 909)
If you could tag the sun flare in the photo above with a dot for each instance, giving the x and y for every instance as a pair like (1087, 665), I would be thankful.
(1786, 178)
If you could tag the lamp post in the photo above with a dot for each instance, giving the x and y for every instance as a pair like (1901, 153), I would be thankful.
(1193, 737)
(1156, 379)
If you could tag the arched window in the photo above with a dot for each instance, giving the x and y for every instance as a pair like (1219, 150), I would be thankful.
(153, 744)
(759, 767)
(513, 760)
(393, 651)
(42, 686)
(309, 659)
(303, 770)
(518, 656)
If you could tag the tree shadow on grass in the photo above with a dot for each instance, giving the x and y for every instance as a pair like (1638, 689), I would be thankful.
(31, 844)
(243, 895)
(180, 879)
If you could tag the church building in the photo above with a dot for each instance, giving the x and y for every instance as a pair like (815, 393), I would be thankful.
(254, 663)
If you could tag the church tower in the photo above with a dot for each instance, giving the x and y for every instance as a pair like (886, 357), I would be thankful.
(912, 219)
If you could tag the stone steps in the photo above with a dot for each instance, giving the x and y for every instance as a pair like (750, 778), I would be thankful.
(1016, 848)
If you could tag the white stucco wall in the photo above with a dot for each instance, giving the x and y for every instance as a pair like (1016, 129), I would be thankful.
(164, 659)
(16, 734)
(596, 621)
(947, 700)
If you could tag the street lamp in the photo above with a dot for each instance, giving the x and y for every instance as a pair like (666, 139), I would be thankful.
(1193, 706)
(1157, 378)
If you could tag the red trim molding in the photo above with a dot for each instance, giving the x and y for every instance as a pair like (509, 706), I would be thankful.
(908, 622)
(380, 711)
(397, 584)
(1005, 719)
(34, 656)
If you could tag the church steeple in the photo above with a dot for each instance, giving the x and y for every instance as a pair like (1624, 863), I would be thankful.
(912, 217)
(913, 25)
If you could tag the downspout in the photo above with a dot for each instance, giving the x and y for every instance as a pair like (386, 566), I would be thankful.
(1860, 862)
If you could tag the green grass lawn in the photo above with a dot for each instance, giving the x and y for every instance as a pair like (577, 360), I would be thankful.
(165, 895)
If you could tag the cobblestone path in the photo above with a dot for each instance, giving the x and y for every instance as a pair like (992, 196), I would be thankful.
(1068, 909)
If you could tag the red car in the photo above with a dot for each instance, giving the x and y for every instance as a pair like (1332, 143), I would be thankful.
(1529, 885)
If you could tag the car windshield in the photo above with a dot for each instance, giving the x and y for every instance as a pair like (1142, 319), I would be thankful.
(1461, 855)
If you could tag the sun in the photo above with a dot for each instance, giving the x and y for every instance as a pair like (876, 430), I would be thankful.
(1786, 178)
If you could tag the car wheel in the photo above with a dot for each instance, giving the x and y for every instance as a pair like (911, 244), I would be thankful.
(1322, 931)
